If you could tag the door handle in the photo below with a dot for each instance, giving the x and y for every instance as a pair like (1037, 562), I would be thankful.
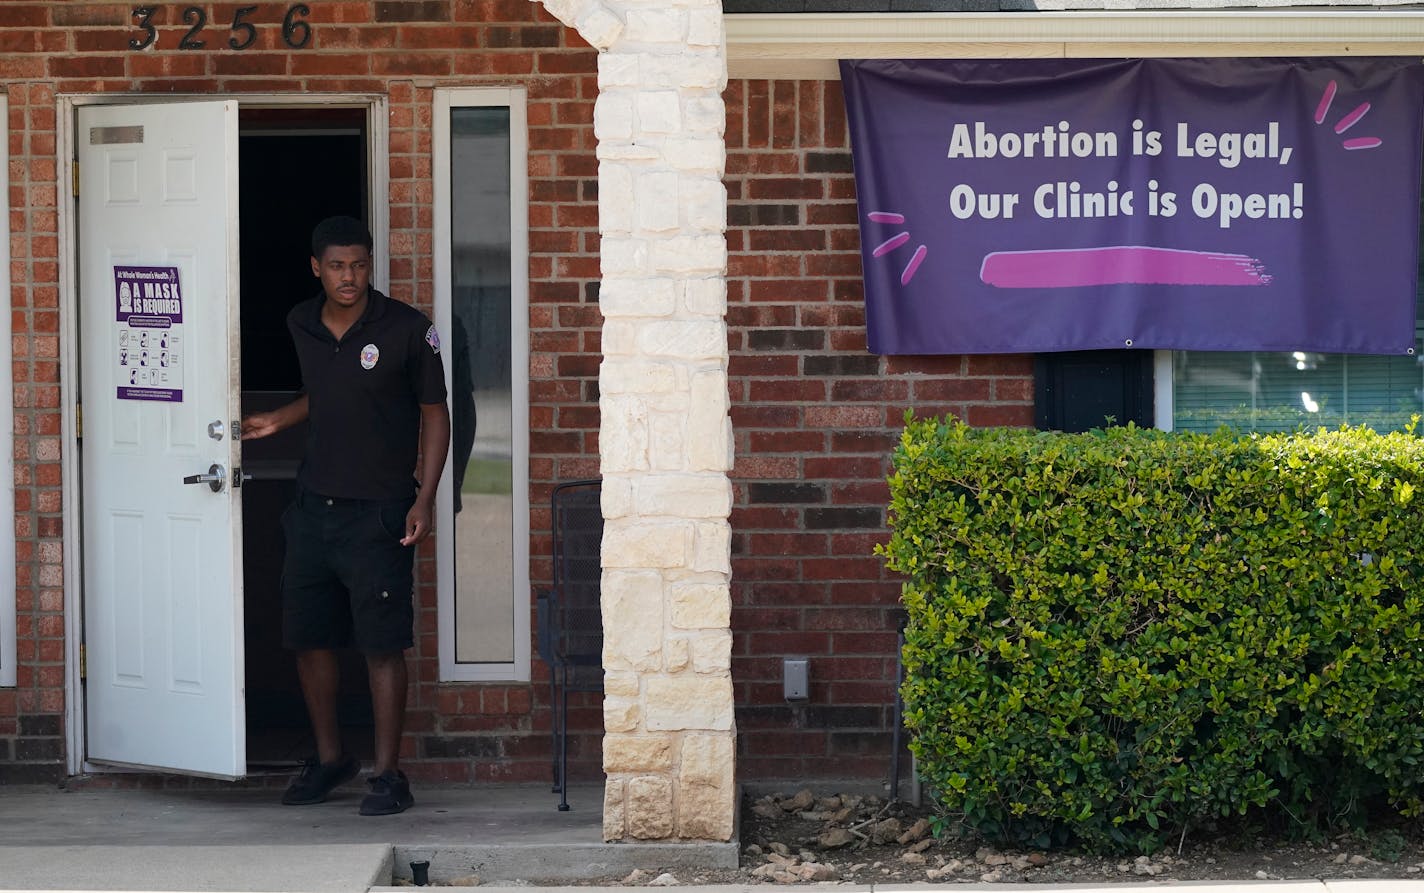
(215, 478)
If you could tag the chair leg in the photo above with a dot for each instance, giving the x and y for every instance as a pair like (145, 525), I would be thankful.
(564, 751)
(898, 719)
(554, 728)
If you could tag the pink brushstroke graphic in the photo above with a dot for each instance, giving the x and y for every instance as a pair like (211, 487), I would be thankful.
(913, 265)
(1353, 118)
(890, 244)
(1324, 108)
(896, 241)
(1363, 142)
(1345, 123)
(1119, 265)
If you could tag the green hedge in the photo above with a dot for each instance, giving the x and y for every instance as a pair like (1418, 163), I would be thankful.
(1115, 637)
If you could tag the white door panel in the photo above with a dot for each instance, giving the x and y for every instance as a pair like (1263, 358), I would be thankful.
(162, 559)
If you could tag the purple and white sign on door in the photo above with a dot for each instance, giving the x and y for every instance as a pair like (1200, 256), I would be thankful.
(148, 310)
(1205, 204)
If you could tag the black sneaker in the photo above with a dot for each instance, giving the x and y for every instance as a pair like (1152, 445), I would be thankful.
(317, 779)
(390, 794)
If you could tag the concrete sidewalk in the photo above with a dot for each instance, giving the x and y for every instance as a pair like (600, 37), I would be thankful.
(510, 837)
(1307, 886)
(244, 841)
(1357, 886)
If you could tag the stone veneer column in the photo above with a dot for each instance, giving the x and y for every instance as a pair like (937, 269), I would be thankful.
(665, 437)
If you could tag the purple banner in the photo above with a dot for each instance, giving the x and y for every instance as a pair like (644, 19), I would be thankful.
(1204, 204)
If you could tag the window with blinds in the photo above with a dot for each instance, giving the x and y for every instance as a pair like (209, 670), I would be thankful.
(1286, 391)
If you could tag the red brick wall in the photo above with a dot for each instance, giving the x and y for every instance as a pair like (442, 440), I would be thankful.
(815, 418)
(31, 713)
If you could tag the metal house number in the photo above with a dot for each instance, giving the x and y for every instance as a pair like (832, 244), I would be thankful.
(296, 33)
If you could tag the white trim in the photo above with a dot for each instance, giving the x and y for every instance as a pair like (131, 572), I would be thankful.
(378, 145)
(515, 99)
(1162, 393)
(378, 123)
(808, 45)
(8, 654)
(75, 741)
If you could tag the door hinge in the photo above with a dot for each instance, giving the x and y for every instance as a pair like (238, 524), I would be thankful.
(74, 178)
(79, 421)
(83, 662)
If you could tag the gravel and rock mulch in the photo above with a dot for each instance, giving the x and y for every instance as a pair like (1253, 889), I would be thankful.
(806, 837)
(809, 837)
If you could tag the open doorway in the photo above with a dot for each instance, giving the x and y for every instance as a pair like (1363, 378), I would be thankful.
(296, 166)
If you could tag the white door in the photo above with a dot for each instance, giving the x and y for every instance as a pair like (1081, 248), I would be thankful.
(160, 391)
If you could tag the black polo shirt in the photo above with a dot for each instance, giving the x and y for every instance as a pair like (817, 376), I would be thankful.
(364, 392)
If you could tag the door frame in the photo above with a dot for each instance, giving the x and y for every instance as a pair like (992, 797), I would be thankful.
(72, 526)
(9, 656)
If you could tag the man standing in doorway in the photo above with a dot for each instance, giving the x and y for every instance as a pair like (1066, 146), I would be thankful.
(374, 398)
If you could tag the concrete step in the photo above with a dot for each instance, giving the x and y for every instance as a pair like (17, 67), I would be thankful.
(510, 862)
(325, 868)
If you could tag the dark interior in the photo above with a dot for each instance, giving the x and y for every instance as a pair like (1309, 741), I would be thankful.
(1078, 391)
(296, 166)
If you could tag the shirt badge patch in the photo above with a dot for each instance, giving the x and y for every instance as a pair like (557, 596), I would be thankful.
(370, 355)
(432, 338)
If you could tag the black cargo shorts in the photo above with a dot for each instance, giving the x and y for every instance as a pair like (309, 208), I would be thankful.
(346, 578)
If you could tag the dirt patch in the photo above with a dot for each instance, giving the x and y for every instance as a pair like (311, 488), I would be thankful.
(813, 836)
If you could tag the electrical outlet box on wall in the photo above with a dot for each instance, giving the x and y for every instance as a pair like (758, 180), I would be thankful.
(796, 678)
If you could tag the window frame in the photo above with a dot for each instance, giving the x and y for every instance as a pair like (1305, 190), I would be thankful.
(514, 99)
(1163, 395)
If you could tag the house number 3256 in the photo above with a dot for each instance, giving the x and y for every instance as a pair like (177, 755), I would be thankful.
(296, 33)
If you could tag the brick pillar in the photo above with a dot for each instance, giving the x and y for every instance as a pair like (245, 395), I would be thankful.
(665, 436)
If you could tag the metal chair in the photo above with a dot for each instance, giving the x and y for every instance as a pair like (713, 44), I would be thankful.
(570, 619)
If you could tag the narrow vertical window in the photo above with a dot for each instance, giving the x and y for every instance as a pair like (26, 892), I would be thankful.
(482, 314)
